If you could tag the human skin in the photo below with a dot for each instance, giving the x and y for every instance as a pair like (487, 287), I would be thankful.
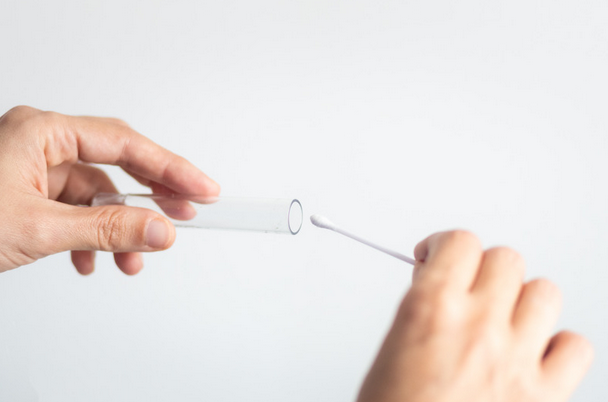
(470, 330)
(45, 173)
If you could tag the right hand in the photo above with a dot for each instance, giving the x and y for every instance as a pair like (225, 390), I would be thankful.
(469, 330)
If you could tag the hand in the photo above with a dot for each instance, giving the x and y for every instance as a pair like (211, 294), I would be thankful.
(469, 330)
(43, 171)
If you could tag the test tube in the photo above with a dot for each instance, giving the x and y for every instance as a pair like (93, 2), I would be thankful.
(277, 215)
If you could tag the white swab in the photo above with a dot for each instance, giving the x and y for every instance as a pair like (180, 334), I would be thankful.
(324, 223)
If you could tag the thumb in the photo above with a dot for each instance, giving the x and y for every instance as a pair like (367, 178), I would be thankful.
(111, 228)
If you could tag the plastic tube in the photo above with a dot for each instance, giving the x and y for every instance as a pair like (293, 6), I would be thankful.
(275, 215)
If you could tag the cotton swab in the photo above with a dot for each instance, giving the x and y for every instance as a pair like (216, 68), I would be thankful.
(324, 223)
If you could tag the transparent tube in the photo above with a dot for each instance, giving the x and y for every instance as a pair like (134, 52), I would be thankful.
(239, 213)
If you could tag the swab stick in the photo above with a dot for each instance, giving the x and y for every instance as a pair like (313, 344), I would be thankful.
(324, 223)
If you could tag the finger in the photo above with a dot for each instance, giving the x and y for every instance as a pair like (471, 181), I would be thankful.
(129, 263)
(142, 180)
(499, 281)
(448, 259)
(535, 315)
(84, 261)
(100, 141)
(82, 184)
(568, 358)
(108, 228)
(57, 177)
(176, 208)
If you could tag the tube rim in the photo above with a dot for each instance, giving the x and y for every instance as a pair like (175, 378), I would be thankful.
(295, 201)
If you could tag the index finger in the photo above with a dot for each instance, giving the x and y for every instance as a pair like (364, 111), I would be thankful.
(111, 141)
(449, 260)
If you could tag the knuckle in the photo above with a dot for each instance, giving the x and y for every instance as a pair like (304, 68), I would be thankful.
(30, 119)
(461, 238)
(507, 255)
(583, 345)
(489, 338)
(117, 121)
(18, 115)
(433, 311)
(447, 306)
(414, 307)
(27, 122)
(111, 227)
(578, 343)
(20, 111)
(51, 119)
(545, 289)
(37, 234)
(577, 339)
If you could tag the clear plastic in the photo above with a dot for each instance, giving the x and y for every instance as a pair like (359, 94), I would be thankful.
(239, 213)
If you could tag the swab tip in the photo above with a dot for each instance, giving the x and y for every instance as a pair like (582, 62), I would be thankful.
(322, 222)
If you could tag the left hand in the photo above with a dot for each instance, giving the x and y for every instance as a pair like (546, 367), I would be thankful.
(44, 174)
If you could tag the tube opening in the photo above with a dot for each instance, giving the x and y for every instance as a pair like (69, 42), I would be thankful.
(295, 217)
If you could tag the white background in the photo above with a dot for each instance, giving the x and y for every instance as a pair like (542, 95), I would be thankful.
(395, 119)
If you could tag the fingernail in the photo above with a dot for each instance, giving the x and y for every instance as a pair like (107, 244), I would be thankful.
(157, 234)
